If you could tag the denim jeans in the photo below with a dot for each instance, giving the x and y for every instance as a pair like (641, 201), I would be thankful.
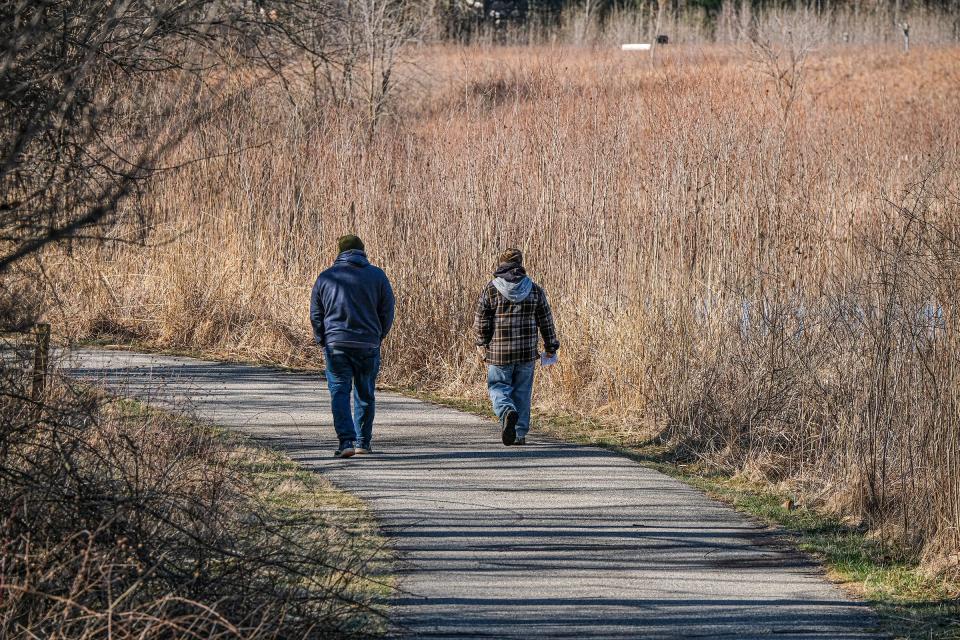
(352, 369)
(511, 387)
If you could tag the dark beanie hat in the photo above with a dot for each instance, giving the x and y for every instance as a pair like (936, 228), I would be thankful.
(349, 241)
(512, 255)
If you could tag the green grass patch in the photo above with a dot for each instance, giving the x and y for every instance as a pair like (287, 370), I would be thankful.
(347, 524)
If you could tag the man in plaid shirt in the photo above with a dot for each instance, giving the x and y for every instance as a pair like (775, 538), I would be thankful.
(510, 312)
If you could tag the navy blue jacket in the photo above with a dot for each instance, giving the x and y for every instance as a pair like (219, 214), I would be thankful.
(352, 303)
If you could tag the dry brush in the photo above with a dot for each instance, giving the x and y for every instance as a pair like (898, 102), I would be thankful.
(750, 250)
(118, 522)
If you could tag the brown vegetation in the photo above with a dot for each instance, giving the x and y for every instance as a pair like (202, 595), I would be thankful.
(751, 251)
(123, 523)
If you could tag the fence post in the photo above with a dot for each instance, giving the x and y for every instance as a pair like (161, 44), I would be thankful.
(41, 357)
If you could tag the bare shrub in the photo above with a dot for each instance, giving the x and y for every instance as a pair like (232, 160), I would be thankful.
(94, 94)
(356, 50)
(129, 524)
(780, 51)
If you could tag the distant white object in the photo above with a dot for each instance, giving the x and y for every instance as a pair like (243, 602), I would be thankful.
(643, 46)
(546, 361)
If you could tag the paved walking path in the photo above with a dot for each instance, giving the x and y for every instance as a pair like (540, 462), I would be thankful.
(550, 540)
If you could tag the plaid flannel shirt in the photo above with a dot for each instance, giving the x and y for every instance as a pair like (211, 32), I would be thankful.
(509, 329)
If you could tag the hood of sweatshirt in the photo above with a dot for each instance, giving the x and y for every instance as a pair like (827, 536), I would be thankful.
(356, 257)
(512, 282)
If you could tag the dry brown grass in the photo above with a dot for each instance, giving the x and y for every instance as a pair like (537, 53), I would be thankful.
(739, 250)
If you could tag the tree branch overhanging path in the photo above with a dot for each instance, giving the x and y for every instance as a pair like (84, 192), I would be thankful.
(550, 540)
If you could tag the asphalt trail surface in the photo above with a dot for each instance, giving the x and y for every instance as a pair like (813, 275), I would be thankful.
(548, 540)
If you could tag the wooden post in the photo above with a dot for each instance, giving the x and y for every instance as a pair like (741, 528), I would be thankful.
(41, 359)
(905, 27)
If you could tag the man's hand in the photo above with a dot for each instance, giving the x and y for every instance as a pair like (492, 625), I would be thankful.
(481, 354)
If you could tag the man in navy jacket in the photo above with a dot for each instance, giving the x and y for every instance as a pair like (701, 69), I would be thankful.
(351, 309)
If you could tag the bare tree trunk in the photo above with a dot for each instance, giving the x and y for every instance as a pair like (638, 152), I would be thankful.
(661, 6)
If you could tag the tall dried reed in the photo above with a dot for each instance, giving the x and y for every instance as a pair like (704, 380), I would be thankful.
(752, 254)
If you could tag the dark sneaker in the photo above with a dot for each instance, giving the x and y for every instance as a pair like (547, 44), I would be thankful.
(363, 450)
(344, 452)
(520, 441)
(508, 430)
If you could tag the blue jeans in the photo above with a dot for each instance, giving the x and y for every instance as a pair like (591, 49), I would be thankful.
(511, 387)
(352, 369)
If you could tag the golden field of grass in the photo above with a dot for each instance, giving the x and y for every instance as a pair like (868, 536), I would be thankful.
(751, 253)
